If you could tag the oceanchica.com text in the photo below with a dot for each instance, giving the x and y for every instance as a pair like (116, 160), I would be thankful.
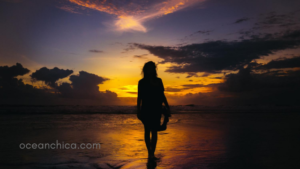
(58, 145)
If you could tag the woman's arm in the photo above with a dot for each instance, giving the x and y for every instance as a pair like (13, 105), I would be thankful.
(165, 99)
(139, 100)
(167, 105)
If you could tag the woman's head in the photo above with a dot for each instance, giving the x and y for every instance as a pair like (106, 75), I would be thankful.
(149, 70)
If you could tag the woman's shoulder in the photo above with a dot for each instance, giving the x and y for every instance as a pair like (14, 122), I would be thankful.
(141, 81)
(159, 79)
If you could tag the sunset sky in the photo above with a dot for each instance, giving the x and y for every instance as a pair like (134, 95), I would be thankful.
(206, 50)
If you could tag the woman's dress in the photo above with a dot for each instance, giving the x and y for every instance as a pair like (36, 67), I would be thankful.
(152, 99)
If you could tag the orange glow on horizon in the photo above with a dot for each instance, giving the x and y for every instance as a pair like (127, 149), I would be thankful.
(178, 89)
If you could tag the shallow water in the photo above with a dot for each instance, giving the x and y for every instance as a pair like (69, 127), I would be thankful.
(205, 140)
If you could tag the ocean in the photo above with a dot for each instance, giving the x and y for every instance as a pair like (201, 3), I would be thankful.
(196, 137)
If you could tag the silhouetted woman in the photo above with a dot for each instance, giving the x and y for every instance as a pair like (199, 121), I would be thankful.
(149, 104)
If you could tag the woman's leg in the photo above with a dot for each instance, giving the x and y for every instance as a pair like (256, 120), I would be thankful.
(153, 141)
(147, 140)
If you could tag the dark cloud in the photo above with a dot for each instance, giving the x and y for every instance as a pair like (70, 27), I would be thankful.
(242, 81)
(173, 89)
(242, 20)
(194, 74)
(85, 86)
(206, 32)
(95, 51)
(191, 74)
(282, 63)
(65, 89)
(13, 71)
(132, 92)
(216, 77)
(183, 87)
(274, 19)
(16, 89)
(272, 23)
(109, 97)
(215, 56)
(247, 79)
(188, 86)
(128, 48)
(274, 87)
(85, 78)
(13, 88)
(194, 35)
(249, 88)
(143, 56)
(191, 86)
(50, 76)
(86, 83)
(13, 1)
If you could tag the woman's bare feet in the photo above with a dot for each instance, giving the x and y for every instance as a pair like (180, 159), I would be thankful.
(152, 156)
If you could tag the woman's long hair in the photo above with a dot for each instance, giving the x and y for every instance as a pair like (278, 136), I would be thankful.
(149, 66)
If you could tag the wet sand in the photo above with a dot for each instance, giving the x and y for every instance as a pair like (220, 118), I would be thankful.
(206, 140)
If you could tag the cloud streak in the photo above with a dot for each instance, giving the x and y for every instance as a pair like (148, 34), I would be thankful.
(131, 14)
(96, 51)
(242, 20)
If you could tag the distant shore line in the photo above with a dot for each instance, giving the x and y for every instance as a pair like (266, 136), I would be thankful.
(63, 112)
(11, 109)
